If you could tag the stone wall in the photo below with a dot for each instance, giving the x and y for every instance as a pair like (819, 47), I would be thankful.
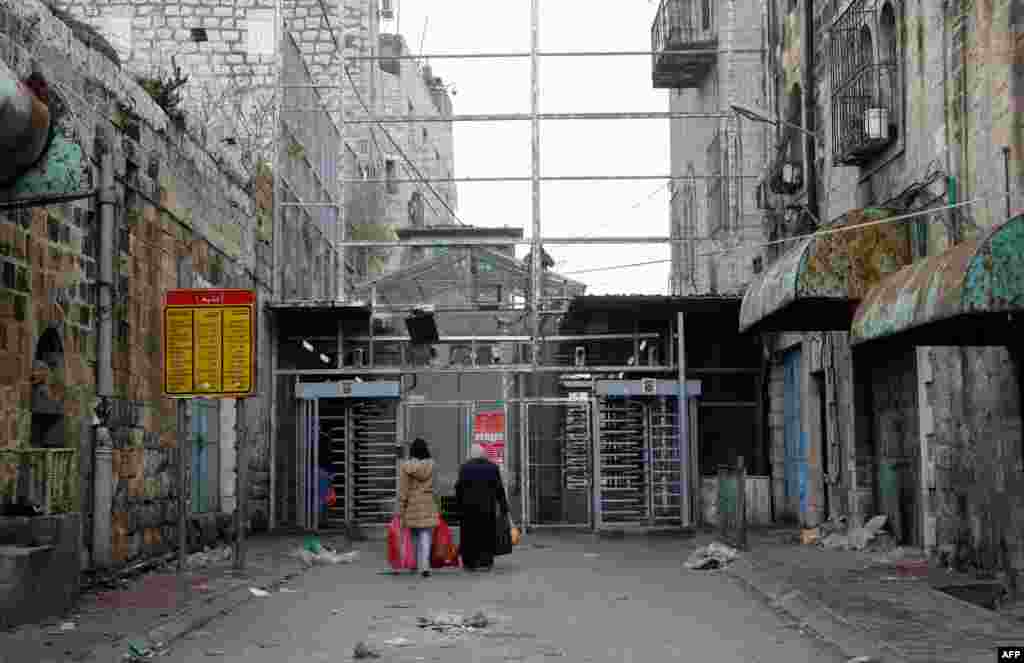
(959, 114)
(180, 206)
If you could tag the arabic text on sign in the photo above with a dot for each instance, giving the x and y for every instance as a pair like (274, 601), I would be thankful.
(237, 349)
(208, 344)
(178, 369)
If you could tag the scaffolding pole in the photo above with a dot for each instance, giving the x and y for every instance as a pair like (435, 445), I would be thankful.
(531, 242)
(513, 117)
(535, 252)
(558, 54)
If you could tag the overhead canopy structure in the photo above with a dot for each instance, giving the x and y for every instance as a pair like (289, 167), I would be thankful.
(971, 294)
(817, 284)
(315, 317)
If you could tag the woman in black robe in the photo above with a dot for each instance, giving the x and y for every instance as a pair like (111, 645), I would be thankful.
(481, 501)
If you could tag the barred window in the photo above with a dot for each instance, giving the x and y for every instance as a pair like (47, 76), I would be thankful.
(865, 62)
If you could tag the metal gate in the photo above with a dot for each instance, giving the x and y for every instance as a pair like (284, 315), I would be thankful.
(445, 426)
(308, 436)
(623, 496)
(350, 430)
(373, 472)
(559, 466)
(638, 463)
(666, 478)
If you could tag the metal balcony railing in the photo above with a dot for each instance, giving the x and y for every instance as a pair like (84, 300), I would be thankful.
(865, 114)
(683, 25)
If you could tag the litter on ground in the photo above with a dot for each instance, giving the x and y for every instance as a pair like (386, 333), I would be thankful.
(712, 556)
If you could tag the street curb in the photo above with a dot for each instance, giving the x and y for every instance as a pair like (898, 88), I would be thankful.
(188, 619)
(832, 627)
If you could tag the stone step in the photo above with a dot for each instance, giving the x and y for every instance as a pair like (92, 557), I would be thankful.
(15, 561)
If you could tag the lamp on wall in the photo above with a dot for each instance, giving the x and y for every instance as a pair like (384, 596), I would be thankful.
(876, 123)
(792, 174)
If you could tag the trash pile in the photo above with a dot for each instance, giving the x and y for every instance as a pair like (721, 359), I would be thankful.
(313, 552)
(208, 557)
(858, 538)
(712, 556)
(450, 623)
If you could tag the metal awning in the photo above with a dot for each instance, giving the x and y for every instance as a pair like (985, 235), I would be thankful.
(316, 317)
(971, 294)
(816, 285)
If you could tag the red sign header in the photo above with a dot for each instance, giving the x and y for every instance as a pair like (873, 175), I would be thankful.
(210, 297)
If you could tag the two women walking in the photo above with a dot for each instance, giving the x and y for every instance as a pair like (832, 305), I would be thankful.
(479, 496)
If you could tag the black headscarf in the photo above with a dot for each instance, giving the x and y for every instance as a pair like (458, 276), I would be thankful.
(418, 449)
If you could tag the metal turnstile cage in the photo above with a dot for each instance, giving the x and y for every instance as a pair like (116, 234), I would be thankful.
(373, 473)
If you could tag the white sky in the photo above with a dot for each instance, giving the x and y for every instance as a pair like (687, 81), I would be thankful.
(568, 147)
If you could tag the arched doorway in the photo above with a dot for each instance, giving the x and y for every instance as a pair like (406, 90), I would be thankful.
(47, 403)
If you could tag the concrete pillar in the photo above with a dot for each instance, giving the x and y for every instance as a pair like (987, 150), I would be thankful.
(103, 497)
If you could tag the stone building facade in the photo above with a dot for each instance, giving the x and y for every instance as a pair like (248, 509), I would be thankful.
(928, 435)
(184, 214)
(231, 87)
(718, 160)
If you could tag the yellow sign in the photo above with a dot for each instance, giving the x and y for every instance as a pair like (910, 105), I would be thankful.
(209, 343)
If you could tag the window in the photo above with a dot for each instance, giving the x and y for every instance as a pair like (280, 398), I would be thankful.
(865, 72)
(416, 210)
(389, 175)
(205, 434)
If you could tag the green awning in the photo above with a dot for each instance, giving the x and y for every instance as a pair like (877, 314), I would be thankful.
(817, 284)
(971, 294)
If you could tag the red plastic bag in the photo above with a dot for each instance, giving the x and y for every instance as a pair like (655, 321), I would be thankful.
(400, 549)
(332, 497)
(443, 551)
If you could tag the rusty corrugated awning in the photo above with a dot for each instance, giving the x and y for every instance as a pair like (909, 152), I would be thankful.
(967, 295)
(817, 284)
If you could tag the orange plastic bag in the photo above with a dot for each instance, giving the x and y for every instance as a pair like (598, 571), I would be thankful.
(400, 549)
(443, 551)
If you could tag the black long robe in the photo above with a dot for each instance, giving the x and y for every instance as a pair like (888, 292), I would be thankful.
(480, 497)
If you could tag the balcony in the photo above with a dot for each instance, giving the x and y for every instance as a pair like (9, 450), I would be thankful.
(683, 25)
(865, 118)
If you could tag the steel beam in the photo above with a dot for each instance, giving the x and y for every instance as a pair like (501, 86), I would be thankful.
(514, 117)
(495, 338)
(491, 369)
(527, 178)
(501, 241)
(510, 55)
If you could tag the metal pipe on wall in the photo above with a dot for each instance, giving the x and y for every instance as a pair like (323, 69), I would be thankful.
(107, 203)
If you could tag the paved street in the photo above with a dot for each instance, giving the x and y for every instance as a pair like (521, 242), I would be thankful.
(566, 596)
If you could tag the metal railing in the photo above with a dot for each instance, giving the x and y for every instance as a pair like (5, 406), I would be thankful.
(50, 473)
(732, 504)
(873, 86)
(682, 23)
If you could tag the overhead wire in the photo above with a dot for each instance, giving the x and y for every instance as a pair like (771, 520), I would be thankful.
(362, 102)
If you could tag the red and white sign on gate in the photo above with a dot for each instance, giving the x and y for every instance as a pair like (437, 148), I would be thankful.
(489, 433)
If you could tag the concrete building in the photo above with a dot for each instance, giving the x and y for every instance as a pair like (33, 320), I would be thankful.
(895, 378)
(714, 204)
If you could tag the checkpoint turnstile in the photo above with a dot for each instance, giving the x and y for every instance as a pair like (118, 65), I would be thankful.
(639, 459)
(355, 425)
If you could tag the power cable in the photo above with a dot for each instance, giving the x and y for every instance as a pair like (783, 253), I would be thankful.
(380, 125)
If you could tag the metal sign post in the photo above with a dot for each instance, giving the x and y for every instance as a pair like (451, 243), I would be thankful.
(210, 352)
